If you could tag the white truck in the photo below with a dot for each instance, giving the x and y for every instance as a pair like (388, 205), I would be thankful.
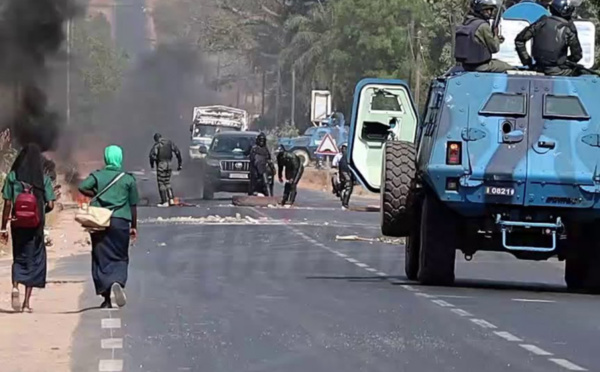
(209, 120)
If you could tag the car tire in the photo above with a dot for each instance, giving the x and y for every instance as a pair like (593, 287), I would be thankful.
(303, 155)
(398, 188)
(439, 241)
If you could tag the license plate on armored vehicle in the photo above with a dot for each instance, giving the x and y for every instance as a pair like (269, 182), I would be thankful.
(500, 191)
(238, 175)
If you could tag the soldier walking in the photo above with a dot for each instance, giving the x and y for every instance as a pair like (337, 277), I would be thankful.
(161, 155)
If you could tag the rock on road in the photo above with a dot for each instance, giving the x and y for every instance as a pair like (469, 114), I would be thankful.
(284, 295)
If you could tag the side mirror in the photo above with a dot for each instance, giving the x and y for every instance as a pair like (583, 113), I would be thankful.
(203, 150)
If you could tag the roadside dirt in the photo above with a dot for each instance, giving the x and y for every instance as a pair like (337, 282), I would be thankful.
(41, 341)
(315, 179)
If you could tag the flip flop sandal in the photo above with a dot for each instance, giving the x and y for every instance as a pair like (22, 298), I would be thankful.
(27, 310)
(15, 300)
(119, 293)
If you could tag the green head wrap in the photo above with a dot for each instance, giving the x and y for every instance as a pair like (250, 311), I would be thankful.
(113, 157)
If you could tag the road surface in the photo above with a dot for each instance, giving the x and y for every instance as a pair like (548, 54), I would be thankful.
(282, 294)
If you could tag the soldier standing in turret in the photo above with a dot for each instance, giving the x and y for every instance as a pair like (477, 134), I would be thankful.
(553, 36)
(476, 41)
(161, 156)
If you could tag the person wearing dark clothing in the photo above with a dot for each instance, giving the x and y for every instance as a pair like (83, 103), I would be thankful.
(553, 36)
(29, 249)
(261, 167)
(346, 177)
(110, 247)
(475, 39)
(161, 155)
(293, 172)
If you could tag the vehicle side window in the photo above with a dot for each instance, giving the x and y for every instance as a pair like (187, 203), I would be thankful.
(386, 102)
(505, 104)
(564, 107)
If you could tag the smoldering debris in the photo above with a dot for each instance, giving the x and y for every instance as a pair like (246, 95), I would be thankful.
(31, 32)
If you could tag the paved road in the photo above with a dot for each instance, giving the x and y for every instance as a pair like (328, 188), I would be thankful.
(284, 295)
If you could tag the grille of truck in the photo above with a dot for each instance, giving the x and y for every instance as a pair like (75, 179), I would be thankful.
(235, 165)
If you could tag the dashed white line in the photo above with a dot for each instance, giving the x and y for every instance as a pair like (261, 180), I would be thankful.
(111, 323)
(535, 350)
(532, 300)
(426, 295)
(352, 260)
(341, 255)
(410, 288)
(461, 312)
(508, 336)
(483, 323)
(568, 365)
(110, 365)
(381, 273)
(112, 343)
(442, 303)
(359, 264)
(371, 269)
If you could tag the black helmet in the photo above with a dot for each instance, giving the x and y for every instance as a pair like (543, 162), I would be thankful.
(564, 8)
(157, 137)
(279, 152)
(261, 139)
(479, 6)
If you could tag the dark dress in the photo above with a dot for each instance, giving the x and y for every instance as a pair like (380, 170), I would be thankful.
(110, 248)
(29, 249)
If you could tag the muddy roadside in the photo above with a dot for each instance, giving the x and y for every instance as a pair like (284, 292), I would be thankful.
(316, 179)
(42, 340)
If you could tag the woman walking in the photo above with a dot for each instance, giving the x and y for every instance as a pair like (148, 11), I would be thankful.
(28, 196)
(118, 192)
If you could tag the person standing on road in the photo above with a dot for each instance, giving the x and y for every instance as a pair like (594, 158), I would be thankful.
(553, 37)
(260, 167)
(110, 248)
(293, 172)
(26, 189)
(161, 155)
(346, 177)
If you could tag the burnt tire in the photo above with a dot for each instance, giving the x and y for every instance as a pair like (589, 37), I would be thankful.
(397, 188)
(439, 240)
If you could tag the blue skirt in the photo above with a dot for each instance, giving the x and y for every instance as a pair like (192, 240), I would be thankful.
(29, 257)
(110, 255)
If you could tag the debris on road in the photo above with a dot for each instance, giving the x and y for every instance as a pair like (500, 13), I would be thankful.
(253, 201)
(382, 239)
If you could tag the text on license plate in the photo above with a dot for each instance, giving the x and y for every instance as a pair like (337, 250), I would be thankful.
(238, 175)
(504, 191)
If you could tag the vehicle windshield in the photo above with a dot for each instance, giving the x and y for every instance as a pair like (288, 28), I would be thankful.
(211, 130)
(233, 144)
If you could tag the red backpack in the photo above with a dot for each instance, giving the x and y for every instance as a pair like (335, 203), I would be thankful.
(26, 210)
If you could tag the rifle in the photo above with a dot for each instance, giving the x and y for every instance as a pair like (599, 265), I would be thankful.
(496, 24)
(579, 67)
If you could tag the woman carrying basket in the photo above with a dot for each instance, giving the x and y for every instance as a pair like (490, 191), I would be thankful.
(28, 196)
(116, 190)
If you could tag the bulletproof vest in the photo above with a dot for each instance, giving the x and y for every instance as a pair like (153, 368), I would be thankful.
(261, 157)
(550, 42)
(165, 150)
(468, 50)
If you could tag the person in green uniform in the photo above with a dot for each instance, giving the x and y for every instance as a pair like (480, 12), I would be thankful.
(29, 249)
(110, 248)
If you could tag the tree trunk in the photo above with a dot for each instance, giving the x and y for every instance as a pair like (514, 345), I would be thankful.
(293, 95)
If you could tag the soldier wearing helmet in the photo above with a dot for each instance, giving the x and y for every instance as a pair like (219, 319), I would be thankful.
(475, 40)
(261, 167)
(161, 155)
(344, 185)
(553, 37)
(293, 172)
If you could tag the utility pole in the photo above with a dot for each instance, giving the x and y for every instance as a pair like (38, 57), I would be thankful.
(278, 95)
(68, 103)
(293, 94)
(418, 61)
(262, 100)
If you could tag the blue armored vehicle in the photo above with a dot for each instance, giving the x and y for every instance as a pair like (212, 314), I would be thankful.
(506, 162)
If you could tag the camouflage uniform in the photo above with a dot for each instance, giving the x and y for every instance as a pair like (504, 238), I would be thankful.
(161, 155)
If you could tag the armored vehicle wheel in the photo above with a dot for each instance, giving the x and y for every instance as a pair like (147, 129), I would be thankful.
(581, 268)
(397, 188)
(412, 247)
(575, 272)
(303, 155)
(439, 240)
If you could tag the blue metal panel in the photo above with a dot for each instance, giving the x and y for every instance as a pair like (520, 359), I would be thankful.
(528, 11)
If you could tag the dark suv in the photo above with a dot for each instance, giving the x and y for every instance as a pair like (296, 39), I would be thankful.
(227, 167)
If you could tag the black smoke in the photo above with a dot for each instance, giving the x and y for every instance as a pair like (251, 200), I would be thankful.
(31, 33)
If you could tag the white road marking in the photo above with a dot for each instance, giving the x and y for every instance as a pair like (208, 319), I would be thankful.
(442, 303)
(452, 296)
(110, 365)
(508, 336)
(483, 323)
(341, 255)
(371, 269)
(112, 343)
(410, 288)
(568, 365)
(111, 323)
(461, 312)
(426, 295)
(381, 273)
(361, 265)
(535, 350)
(532, 300)
(351, 260)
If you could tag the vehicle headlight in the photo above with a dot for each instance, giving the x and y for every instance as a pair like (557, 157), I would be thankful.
(212, 162)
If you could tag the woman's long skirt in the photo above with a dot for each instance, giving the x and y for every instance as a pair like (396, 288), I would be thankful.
(110, 255)
(29, 257)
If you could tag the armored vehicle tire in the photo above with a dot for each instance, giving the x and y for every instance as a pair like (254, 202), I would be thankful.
(575, 272)
(303, 155)
(439, 239)
(412, 248)
(397, 188)
(581, 268)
